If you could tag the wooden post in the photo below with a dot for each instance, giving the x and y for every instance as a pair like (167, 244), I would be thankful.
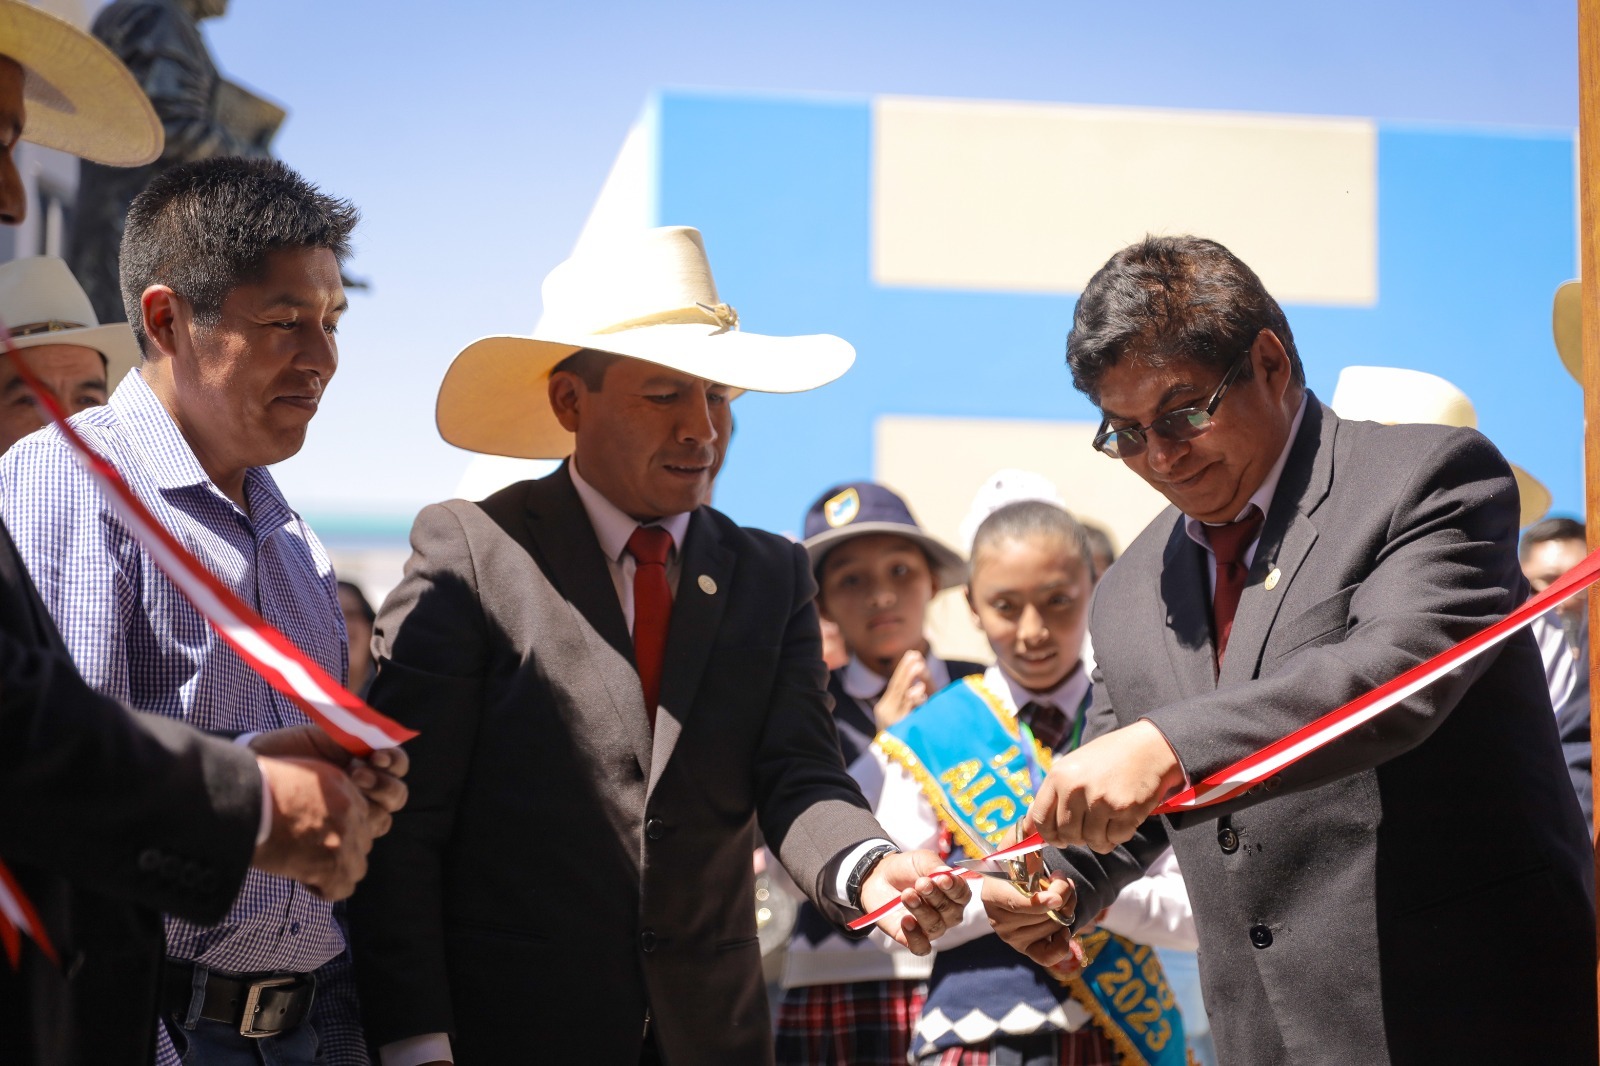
(1589, 267)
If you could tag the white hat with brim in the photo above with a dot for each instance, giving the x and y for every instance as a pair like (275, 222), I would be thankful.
(79, 96)
(42, 303)
(1566, 322)
(648, 295)
(1394, 396)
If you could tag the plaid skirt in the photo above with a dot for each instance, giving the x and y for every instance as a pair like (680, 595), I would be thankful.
(1086, 1047)
(867, 1023)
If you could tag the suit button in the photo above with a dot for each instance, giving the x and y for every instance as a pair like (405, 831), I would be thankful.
(655, 829)
(647, 940)
(1261, 936)
(1273, 783)
(1228, 841)
(149, 860)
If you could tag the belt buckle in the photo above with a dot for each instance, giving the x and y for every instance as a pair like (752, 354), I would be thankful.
(252, 1004)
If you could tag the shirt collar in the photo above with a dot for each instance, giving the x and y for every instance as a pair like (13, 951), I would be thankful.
(612, 525)
(1066, 696)
(861, 683)
(1262, 497)
(169, 461)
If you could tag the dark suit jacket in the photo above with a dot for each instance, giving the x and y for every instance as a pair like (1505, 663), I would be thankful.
(1572, 724)
(107, 817)
(1420, 891)
(558, 869)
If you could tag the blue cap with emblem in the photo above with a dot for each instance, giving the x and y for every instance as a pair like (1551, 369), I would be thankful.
(864, 508)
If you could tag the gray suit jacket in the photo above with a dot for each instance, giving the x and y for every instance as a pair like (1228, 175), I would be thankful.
(1420, 891)
(559, 869)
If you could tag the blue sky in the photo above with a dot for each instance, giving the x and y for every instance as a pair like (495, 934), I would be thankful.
(474, 136)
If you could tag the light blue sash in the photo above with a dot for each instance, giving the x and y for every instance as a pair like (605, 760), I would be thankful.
(971, 759)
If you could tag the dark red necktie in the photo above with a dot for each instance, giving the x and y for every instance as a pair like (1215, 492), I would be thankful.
(1228, 543)
(1048, 723)
(652, 609)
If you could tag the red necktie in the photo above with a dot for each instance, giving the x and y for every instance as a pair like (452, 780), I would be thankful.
(1048, 723)
(1228, 542)
(652, 609)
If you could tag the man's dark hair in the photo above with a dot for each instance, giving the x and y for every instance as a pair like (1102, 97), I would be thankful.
(1548, 530)
(205, 228)
(1169, 298)
(589, 366)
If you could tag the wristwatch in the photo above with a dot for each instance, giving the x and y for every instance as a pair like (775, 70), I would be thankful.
(864, 867)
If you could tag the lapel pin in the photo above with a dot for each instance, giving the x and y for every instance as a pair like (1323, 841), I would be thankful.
(708, 586)
(1272, 579)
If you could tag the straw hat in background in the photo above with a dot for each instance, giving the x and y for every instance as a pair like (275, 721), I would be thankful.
(646, 295)
(79, 96)
(1394, 396)
(1566, 322)
(42, 303)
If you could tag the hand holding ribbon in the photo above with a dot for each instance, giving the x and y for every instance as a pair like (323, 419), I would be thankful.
(1102, 805)
(356, 727)
(890, 907)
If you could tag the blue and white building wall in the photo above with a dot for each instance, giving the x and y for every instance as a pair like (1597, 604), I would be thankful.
(948, 240)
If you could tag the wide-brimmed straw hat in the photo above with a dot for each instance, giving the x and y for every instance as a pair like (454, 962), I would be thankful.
(865, 508)
(1566, 322)
(1394, 396)
(646, 295)
(79, 96)
(42, 303)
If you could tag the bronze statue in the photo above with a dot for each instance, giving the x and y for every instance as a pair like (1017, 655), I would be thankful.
(203, 114)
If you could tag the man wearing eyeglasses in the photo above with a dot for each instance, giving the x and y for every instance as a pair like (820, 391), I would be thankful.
(1350, 908)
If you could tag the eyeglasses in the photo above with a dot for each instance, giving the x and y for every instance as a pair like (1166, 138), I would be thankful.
(1186, 423)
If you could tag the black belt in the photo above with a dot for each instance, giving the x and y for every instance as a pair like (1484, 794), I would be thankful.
(260, 1004)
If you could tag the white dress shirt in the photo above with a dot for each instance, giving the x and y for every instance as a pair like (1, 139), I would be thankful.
(613, 527)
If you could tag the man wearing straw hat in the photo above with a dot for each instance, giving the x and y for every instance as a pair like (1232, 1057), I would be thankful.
(108, 817)
(1419, 890)
(55, 330)
(614, 685)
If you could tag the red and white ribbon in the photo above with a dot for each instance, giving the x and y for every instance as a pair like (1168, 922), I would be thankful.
(1250, 771)
(1015, 851)
(357, 728)
(17, 913)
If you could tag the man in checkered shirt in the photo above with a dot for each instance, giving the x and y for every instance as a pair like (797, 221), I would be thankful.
(231, 280)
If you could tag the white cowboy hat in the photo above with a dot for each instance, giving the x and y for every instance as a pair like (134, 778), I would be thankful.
(42, 303)
(1392, 396)
(1566, 322)
(646, 295)
(79, 96)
